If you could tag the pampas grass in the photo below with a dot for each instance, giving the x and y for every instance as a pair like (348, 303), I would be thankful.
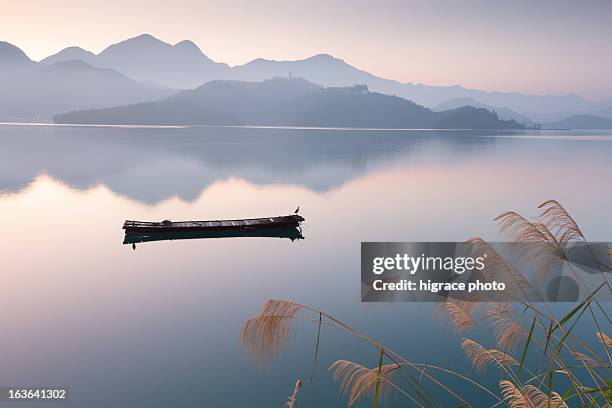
(536, 329)
(357, 380)
(605, 340)
(497, 268)
(480, 357)
(561, 222)
(509, 333)
(529, 396)
(266, 333)
(586, 359)
(459, 317)
(540, 246)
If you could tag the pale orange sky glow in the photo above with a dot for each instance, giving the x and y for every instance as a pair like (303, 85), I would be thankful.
(548, 47)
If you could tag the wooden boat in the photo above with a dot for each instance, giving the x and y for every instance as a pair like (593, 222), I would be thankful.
(244, 225)
(291, 233)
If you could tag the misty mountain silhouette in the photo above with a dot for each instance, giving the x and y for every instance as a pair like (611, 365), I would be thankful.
(70, 85)
(69, 54)
(287, 102)
(503, 113)
(326, 70)
(146, 58)
(606, 112)
(13, 60)
(183, 65)
(321, 69)
(581, 122)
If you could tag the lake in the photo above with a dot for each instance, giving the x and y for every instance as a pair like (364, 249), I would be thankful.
(160, 325)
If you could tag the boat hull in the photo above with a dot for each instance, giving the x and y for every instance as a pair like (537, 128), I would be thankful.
(244, 225)
(291, 233)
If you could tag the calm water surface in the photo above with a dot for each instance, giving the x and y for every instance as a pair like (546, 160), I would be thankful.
(159, 326)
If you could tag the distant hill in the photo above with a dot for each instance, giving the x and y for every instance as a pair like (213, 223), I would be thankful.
(606, 112)
(322, 69)
(327, 70)
(146, 58)
(70, 85)
(13, 60)
(581, 122)
(70, 54)
(503, 113)
(287, 102)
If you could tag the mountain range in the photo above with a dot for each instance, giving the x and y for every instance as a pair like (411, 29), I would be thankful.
(158, 65)
(503, 113)
(13, 60)
(145, 58)
(327, 70)
(581, 122)
(288, 102)
(69, 85)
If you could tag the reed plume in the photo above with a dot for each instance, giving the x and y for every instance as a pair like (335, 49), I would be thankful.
(480, 356)
(513, 395)
(508, 332)
(357, 380)
(558, 220)
(266, 333)
(586, 360)
(457, 311)
(519, 228)
(605, 340)
(529, 397)
(497, 268)
(440, 308)
(535, 239)
(292, 400)
(546, 232)
(459, 316)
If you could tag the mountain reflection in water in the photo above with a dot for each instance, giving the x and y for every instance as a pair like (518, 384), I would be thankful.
(152, 164)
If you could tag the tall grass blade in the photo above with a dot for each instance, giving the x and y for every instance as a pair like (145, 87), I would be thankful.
(518, 376)
(559, 346)
(572, 312)
(316, 353)
(420, 390)
(376, 388)
(550, 384)
(548, 335)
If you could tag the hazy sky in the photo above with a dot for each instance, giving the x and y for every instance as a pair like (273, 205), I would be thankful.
(525, 46)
